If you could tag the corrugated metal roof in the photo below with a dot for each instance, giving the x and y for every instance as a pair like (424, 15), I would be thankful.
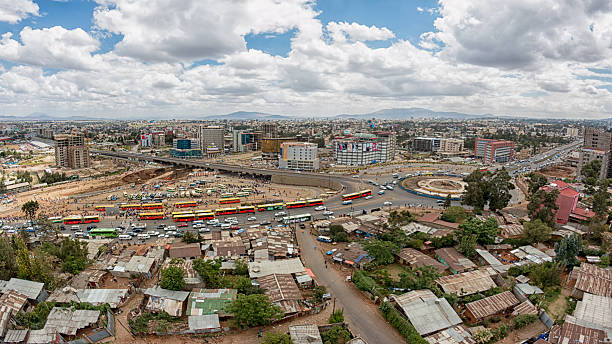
(455, 260)
(160, 292)
(267, 267)
(5, 317)
(139, 264)
(426, 312)
(525, 307)
(528, 289)
(209, 322)
(467, 283)
(452, 335)
(492, 305)
(68, 321)
(183, 251)
(305, 334)
(15, 336)
(210, 301)
(576, 331)
(101, 296)
(14, 299)
(43, 336)
(595, 308)
(594, 280)
(29, 288)
(488, 257)
(280, 287)
(419, 259)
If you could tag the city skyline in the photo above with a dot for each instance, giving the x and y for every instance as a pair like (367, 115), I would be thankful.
(112, 59)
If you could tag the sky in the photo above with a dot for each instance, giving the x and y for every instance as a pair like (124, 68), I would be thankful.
(125, 59)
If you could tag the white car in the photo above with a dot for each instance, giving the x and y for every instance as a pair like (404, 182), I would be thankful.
(381, 192)
(280, 213)
(387, 203)
(212, 222)
(355, 176)
(252, 218)
(368, 197)
(328, 212)
(320, 208)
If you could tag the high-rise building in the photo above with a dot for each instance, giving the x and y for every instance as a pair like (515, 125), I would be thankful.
(364, 149)
(146, 140)
(186, 148)
(572, 132)
(494, 151)
(451, 145)
(269, 129)
(212, 141)
(71, 151)
(597, 145)
(243, 140)
(299, 156)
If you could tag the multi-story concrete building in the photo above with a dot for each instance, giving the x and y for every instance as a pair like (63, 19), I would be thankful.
(271, 147)
(299, 156)
(71, 151)
(212, 141)
(572, 132)
(159, 139)
(146, 140)
(243, 140)
(494, 151)
(364, 149)
(186, 148)
(269, 129)
(597, 145)
(436, 144)
(451, 145)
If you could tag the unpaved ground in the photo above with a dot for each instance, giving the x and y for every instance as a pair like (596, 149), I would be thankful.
(531, 330)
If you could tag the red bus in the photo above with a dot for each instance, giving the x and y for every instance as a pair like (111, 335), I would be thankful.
(205, 216)
(364, 193)
(243, 210)
(184, 218)
(91, 219)
(73, 220)
(102, 207)
(151, 216)
(150, 206)
(297, 204)
(185, 204)
(226, 211)
(229, 200)
(314, 202)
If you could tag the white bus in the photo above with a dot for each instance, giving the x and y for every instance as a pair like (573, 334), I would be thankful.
(296, 218)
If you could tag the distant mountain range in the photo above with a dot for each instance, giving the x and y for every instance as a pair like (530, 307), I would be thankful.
(397, 114)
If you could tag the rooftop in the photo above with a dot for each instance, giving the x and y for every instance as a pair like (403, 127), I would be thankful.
(280, 287)
(184, 251)
(204, 322)
(29, 288)
(595, 309)
(455, 260)
(467, 283)
(577, 331)
(305, 334)
(68, 321)
(426, 312)
(419, 259)
(492, 305)
(594, 280)
(160, 292)
(267, 267)
(210, 301)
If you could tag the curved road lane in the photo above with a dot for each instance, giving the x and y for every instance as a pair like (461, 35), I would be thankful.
(363, 317)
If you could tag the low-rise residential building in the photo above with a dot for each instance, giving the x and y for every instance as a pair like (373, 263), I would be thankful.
(416, 259)
(591, 279)
(305, 334)
(489, 306)
(169, 301)
(210, 301)
(282, 290)
(455, 261)
(467, 283)
(426, 312)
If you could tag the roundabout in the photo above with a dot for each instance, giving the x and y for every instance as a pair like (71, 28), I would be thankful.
(435, 186)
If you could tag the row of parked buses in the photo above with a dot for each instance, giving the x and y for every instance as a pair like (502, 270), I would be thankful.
(75, 220)
(360, 194)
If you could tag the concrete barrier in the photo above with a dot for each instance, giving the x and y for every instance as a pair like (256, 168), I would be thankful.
(306, 180)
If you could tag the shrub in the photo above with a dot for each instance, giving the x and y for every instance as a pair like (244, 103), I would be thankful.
(318, 293)
(277, 338)
(404, 327)
(523, 320)
(363, 281)
(337, 335)
(337, 316)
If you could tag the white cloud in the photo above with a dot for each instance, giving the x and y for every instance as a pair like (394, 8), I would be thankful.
(13, 11)
(191, 30)
(420, 9)
(54, 47)
(357, 32)
(523, 33)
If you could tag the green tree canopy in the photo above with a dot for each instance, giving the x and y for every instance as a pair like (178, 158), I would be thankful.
(383, 252)
(467, 245)
(423, 277)
(535, 181)
(485, 231)
(454, 214)
(590, 171)
(253, 310)
(542, 206)
(447, 201)
(499, 190)
(567, 249)
(172, 278)
(8, 263)
(601, 199)
(209, 271)
(536, 231)
(277, 338)
(488, 188)
(30, 208)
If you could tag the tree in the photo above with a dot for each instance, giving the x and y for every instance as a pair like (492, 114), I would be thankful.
(499, 190)
(71, 252)
(601, 199)
(190, 237)
(336, 335)
(447, 201)
(590, 172)
(543, 206)
(546, 275)
(8, 263)
(383, 252)
(253, 310)
(535, 181)
(209, 271)
(485, 231)
(35, 266)
(240, 268)
(400, 218)
(173, 278)
(337, 316)
(337, 233)
(318, 293)
(567, 249)
(423, 277)
(467, 245)
(476, 192)
(244, 286)
(30, 208)
(454, 214)
(277, 338)
(536, 231)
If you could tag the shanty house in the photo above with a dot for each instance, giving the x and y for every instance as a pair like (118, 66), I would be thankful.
(489, 306)
(426, 312)
(169, 301)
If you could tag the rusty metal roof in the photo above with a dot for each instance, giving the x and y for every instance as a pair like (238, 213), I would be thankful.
(467, 283)
(492, 305)
(417, 259)
(594, 280)
(576, 331)
(14, 299)
(455, 260)
(280, 287)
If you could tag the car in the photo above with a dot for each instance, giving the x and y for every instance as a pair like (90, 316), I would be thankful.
(389, 187)
(328, 212)
(11, 231)
(182, 225)
(280, 213)
(355, 176)
(387, 203)
(62, 227)
(234, 227)
(161, 226)
(320, 208)
(179, 234)
(265, 223)
(212, 222)
(381, 192)
(347, 202)
(122, 228)
(252, 218)
(368, 197)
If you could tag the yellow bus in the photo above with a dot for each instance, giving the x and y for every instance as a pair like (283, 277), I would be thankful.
(151, 216)
(270, 206)
(182, 212)
(186, 204)
(229, 200)
(226, 211)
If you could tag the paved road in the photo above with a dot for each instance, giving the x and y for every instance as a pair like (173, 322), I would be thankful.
(363, 317)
